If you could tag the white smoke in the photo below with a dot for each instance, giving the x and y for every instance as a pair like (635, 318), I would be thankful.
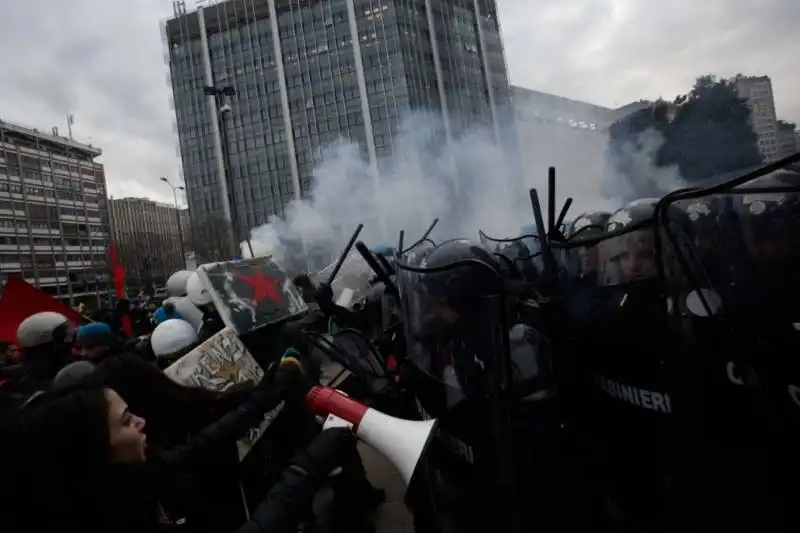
(418, 184)
(634, 172)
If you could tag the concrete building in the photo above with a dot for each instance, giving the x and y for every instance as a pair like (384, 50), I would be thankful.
(757, 90)
(53, 215)
(549, 109)
(306, 74)
(568, 134)
(152, 239)
(787, 139)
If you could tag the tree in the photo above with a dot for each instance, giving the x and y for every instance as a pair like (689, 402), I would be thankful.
(633, 152)
(704, 133)
(711, 133)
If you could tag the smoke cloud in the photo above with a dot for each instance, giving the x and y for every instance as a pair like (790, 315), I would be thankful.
(490, 192)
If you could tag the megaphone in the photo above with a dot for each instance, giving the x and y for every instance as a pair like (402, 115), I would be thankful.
(402, 442)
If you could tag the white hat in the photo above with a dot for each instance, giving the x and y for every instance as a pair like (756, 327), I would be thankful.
(172, 336)
(38, 328)
(176, 284)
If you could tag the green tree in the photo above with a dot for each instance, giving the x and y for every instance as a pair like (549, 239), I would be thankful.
(633, 152)
(711, 132)
(705, 133)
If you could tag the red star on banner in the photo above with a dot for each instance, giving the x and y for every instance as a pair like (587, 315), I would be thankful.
(263, 286)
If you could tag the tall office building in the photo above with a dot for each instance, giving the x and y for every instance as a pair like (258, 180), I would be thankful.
(757, 90)
(307, 73)
(151, 238)
(53, 218)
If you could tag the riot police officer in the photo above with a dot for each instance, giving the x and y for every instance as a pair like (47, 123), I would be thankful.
(488, 381)
(626, 358)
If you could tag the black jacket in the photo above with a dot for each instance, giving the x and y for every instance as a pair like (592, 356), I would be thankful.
(212, 324)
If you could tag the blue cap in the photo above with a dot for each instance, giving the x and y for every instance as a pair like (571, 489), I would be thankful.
(95, 334)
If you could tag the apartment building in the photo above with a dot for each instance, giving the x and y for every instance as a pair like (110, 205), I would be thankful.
(53, 214)
(757, 90)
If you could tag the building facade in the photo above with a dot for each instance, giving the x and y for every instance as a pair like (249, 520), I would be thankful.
(53, 215)
(571, 136)
(567, 134)
(787, 139)
(757, 90)
(151, 239)
(307, 73)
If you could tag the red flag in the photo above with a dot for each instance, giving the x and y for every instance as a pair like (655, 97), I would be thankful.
(21, 300)
(118, 272)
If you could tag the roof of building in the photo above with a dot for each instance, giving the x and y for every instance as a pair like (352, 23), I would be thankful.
(34, 134)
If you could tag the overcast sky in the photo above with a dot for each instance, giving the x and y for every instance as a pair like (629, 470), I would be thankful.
(104, 61)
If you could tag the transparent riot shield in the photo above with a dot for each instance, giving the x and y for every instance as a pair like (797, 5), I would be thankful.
(730, 255)
(522, 254)
(352, 283)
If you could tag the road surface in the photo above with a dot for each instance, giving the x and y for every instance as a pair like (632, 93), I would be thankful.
(392, 516)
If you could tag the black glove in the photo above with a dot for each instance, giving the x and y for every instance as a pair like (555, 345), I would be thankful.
(288, 378)
(289, 501)
(326, 452)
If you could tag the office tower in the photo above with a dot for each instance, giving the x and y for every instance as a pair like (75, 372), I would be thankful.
(53, 217)
(306, 73)
(757, 90)
(151, 239)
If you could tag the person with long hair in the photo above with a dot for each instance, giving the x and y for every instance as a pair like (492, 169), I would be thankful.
(78, 458)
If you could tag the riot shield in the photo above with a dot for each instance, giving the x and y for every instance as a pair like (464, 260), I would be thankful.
(730, 255)
(352, 283)
(523, 254)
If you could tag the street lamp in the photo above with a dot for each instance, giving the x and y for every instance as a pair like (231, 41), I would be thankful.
(225, 111)
(178, 217)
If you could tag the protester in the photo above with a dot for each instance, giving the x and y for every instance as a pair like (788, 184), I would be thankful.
(166, 312)
(95, 341)
(9, 354)
(201, 297)
(72, 374)
(46, 339)
(81, 462)
(171, 340)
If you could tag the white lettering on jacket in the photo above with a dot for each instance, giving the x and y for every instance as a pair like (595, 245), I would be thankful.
(646, 399)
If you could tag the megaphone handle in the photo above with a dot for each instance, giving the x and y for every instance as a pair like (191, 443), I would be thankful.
(325, 401)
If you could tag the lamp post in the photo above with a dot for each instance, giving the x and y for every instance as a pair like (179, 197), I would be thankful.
(224, 110)
(178, 217)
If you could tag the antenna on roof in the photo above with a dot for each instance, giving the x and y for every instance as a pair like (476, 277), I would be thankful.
(70, 122)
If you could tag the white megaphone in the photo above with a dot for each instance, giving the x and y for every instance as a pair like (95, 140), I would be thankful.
(401, 441)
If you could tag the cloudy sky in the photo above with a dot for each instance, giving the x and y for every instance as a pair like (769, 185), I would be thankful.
(104, 61)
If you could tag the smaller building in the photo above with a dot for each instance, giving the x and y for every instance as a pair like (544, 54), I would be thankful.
(151, 239)
(787, 139)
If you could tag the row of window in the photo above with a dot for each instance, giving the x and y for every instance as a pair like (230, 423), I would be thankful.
(31, 163)
(87, 187)
(25, 240)
(45, 211)
(16, 188)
